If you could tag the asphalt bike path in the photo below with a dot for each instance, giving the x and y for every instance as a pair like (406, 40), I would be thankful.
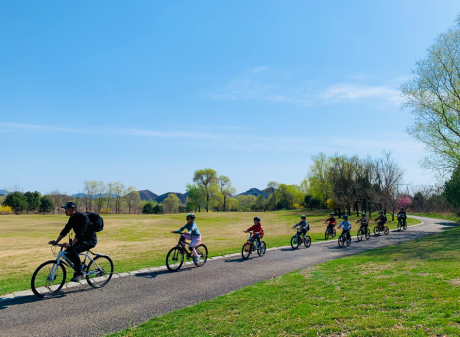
(129, 301)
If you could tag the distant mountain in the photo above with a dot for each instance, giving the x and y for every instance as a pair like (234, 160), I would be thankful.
(256, 192)
(147, 195)
(182, 197)
(82, 195)
(2, 192)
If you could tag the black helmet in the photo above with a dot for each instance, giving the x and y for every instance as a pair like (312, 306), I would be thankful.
(363, 214)
(381, 212)
(257, 218)
(191, 215)
(401, 208)
(303, 216)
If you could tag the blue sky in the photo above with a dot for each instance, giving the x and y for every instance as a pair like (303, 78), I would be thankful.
(146, 92)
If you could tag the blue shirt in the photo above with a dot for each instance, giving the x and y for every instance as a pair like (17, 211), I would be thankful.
(191, 228)
(346, 225)
(303, 224)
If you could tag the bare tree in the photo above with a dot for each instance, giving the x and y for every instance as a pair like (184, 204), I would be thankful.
(100, 194)
(90, 187)
(132, 198)
(119, 191)
(225, 187)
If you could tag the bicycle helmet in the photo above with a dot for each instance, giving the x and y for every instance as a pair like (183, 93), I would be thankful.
(345, 216)
(303, 216)
(257, 218)
(401, 208)
(363, 214)
(381, 212)
(332, 213)
(191, 215)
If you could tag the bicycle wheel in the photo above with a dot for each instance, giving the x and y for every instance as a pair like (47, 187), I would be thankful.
(307, 241)
(246, 251)
(48, 279)
(348, 239)
(359, 235)
(295, 242)
(405, 226)
(399, 226)
(333, 233)
(262, 248)
(376, 230)
(341, 241)
(99, 271)
(386, 230)
(202, 250)
(174, 259)
(368, 233)
(326, 235)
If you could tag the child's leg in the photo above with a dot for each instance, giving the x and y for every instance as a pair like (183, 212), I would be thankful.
(195, 241)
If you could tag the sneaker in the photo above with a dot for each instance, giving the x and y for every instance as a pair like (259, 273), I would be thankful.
(196, 259)
(77, 277)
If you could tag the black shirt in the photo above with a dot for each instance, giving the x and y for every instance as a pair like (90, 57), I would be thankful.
(81, 226)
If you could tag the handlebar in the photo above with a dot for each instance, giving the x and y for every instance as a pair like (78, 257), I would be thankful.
(174, 232)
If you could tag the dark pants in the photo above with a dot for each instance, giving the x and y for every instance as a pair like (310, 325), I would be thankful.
(255, 237)
(80, 247)
(330, 228)
(301, 231)
(364, 228)
(346, 232)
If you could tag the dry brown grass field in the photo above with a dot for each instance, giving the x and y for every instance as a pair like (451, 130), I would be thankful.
(139, 241)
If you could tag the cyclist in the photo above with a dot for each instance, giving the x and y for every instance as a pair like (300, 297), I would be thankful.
(381, 220)
(403, 214)
(193, 235)
(364, 222)
(85, 237)
(346, 227)
(331, 222)
(257, 231)
(304, 226)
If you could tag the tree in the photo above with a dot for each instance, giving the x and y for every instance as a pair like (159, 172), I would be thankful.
(100, 193)
(132, 198)
(318, 183)
(89, 187)
(149, 207)
(109, 193)
(452, 189)
(171, 203)
(119, 191)
(208, 179)
(17, 201)
(433, 97)
(196, 197)
(260, 202)
(33, 200)
(225, 187)
(46, 204)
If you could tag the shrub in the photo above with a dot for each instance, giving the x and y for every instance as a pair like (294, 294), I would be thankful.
(105, 211)
(4, 210)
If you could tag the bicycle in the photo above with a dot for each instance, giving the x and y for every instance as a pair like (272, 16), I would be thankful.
(363, 231)
(175, 257)
(329, 232)
(250, 247)
(50, 276)
(341, 240)
(298, 239)
(401, 223)
(378, 230)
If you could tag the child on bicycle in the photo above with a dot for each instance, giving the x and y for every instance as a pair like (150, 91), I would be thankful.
(402, 214)
(381, 220)
(193, 235)
(364, 222)
(331, 222)
(346, 227)
(303, 224)
(257, 231)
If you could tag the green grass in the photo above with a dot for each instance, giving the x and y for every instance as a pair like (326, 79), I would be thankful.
(411, 289)
(140, 241)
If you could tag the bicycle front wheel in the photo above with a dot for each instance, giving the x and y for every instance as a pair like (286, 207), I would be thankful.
(368, 233)
(202, 251)
(295, 242)
(333, 233)
(99, 271)
(262, 248)
(359, 235)
(405, 226)
(174, 259)
(399, 226)
(326, 234)
(341, 241)
(307, 241)
(246, 251)
(376, 230)
(48, 279)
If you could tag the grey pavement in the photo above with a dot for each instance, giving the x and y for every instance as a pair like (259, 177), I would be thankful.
(128, 301)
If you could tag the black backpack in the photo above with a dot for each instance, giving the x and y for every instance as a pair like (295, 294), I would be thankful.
(96, 221)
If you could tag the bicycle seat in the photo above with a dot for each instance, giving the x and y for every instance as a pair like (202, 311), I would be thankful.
(97, 254)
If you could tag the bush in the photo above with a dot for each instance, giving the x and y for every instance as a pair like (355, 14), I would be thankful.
(105, 211)
(4, 210)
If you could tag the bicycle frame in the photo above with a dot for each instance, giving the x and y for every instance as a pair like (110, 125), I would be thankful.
(183, 248)
(62, 258)
(253, 240)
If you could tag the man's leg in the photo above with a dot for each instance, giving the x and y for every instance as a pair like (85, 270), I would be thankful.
(72, 254)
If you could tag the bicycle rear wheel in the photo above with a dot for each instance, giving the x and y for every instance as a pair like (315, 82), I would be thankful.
(307, 241)
(48, 279)
(202, 251)
(174, 259)
(99, 271)
(246, 251)
(341, 241)
(295, 242)
(262, 248)
(386, 230)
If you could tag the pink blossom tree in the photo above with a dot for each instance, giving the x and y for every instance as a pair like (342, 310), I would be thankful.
(404, 201)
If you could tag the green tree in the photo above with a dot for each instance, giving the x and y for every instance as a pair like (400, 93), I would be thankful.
(149, 207)
(46, 204)
(319, 185)
(171, 203)
(132, 198)
(433, 97)
(33, 200)
(226, 189)
(196, 197)
(260, 202)
(207, 178)
(17, 201)
(452, 189)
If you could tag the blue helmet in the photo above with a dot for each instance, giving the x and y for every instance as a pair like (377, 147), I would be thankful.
(345, 216)
(257, 218)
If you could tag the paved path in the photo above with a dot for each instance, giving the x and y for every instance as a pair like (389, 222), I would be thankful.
(128, 301)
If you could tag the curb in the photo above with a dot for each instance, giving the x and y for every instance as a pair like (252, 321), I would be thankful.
(26, 293)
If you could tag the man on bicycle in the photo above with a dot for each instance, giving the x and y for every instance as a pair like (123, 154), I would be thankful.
(402, 214)
(257, 231)
(85, 237)
(364, 222)
(193, 235)
(331, 222)
(304, 226)
(346, 227)
(381, 220)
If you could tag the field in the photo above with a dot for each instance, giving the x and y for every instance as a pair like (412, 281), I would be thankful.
(411, 289)
(139, 241)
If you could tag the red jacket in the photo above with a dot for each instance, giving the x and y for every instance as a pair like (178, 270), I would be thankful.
(257, 229)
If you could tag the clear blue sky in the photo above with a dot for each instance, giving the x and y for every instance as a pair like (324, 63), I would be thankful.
(146, 92)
